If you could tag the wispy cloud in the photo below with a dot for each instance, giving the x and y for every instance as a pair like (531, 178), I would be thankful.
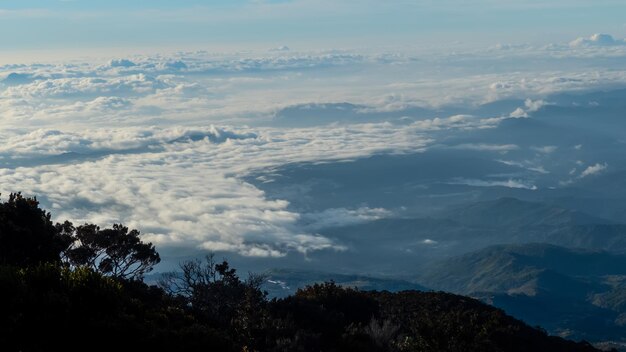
(27, 13)
(594, 170)
(509, 183)
(502, 148)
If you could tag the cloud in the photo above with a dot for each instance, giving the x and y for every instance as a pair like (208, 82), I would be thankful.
(180, 88)
(534, 105)
(79, 87)
(594, 170)
(502, 148)
(597, 40)
(47, 142)
(510, 183)
(14, 78)
(280, 48)
(526, 164)
(456, 122)
(136, 139)
(122, 63)
(530, 106)
(202, 62)
(199, 87)
(546, 149)
(182, 186)
(587, 172)
(518, 113)
(342, 217)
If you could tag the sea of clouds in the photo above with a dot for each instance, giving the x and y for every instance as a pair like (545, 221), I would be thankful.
(162, 142)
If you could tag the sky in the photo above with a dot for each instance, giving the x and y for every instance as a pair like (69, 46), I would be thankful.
(96, 25)
(153, 113)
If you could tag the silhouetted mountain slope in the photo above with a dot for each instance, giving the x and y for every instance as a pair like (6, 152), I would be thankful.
(284, 282)
(572, 292)
(456, 323)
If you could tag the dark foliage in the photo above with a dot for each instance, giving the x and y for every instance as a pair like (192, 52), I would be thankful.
(28, 238)
(74, 289)
(115, 251)
(27, 235)
(438, 321)
(49, 308)
(322, 317)
(215, 293)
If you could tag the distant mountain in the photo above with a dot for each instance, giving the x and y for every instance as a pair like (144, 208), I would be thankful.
(511, 220)
(512, 212)
(509, 268)
(571, 292)
(405, 243)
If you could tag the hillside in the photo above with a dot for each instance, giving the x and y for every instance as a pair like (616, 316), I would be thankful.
(571, 292)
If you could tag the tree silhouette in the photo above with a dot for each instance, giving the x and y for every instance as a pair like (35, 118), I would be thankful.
(215, 292)
(27, 235)
(117, 251)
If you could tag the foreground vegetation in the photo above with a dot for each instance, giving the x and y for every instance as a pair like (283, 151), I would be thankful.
(80, 288)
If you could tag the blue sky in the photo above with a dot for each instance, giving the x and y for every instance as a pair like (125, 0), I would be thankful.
(302, 24)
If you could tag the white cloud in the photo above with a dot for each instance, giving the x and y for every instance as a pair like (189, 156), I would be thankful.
(534, 105)
(78, 87)
(502, 148)
(594, 169)
(46, 142)
(519, 113)
(342, 217)
(587, 172)
(200, 87)
(526, 164)
(122, 63)
(598, 40)
(546, 149)
(182, 188)
(456, 121)
(510, 183)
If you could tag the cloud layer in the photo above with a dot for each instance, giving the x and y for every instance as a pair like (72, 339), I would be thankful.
(136, 139)
(181, 186)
